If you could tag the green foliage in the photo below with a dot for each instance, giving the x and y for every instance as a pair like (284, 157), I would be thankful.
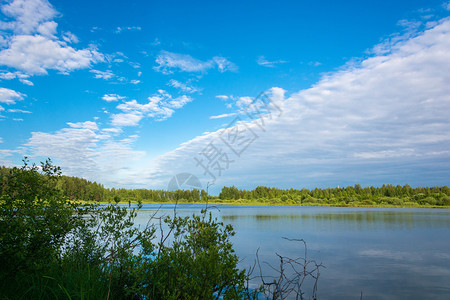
(199, 264)
(77, 189)
(34, 219)
(351, 195)
(51, 247)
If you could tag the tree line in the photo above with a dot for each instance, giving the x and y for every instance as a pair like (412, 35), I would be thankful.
(75, 188)
(386, 194)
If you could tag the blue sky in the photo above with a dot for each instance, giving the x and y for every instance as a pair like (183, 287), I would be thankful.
(131, 94)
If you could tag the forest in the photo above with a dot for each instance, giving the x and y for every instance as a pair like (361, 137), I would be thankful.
(80, 189)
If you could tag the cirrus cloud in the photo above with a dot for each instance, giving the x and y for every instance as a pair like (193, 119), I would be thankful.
(169, 61)
(262, 61)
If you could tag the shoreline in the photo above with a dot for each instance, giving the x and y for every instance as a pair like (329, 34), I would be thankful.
(237, 203)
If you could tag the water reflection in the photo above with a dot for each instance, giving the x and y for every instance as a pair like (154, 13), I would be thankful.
(385, 253)
(353, 220)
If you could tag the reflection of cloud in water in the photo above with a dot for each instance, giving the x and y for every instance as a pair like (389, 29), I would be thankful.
(352, 220)
(386, 253)
(389, 254)
(442, 255)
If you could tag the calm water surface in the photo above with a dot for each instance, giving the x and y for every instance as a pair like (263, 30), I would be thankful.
(385, 253)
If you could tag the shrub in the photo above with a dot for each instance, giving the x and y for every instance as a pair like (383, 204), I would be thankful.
(53, 248)
(200, 263)
(34, 220)
(445, 201)
(367, 202)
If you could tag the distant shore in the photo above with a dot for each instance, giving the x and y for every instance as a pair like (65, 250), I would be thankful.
(272, 203)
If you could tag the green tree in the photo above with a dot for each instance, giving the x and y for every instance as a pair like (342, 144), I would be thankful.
(51, 247)
(34, 219)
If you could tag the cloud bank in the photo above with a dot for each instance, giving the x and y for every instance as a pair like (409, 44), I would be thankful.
(384, 120)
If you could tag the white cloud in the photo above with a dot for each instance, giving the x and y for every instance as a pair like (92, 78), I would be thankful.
(6, 153)
(127, 28)
(179, 102)
(27, 15)
(135, 65)
(32, 45)
(117, 57)
(19, 75)
(383, 120)
(126, 119)
(3, 42)
(314, 63)
(1, 108)
(408, 25)
(133, 105)
(114, 130)
(83, 152)
(106, 75)
(9, 96)
(262, 61)
(222, 116)
(70, 38)
(8, 75)
(36, 54)
(187, 88)
(112, 97)
(84, 125)
(156, 42)
(446, 5)
(26, 81)
(223, 97)
(224, 64)
(19, 111)
(160, 107)
(48, 29)
(186, 63)
(243, 102)
(134, 81)
(168, 62)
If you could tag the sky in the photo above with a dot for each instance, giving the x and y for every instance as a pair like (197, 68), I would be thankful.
(288, 94)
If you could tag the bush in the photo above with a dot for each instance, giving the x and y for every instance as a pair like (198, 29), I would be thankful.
(310, 200)
(367, 202)
(34, 220)
(445, 201)
(200, 263)
(53, 248)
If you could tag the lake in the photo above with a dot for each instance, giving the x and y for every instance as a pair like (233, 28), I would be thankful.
(383, 253)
